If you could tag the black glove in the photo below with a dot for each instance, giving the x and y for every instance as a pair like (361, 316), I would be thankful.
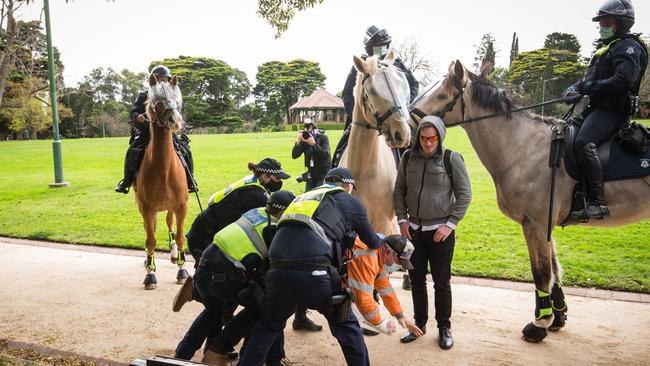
(572, 94)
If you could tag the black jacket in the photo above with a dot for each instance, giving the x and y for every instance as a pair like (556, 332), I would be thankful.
(348, 96)
(615, 75)
(319, 153)
(298, 242)
(138, 109)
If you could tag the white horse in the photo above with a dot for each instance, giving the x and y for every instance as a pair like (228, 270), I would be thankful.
(381, 97)
(515, 151)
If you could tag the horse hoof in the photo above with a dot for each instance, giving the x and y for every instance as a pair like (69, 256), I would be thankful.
(181, 276)
(559, 321)
(150, 281)
(534, 334)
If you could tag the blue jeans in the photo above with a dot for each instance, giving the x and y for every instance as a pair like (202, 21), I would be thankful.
(284, 290)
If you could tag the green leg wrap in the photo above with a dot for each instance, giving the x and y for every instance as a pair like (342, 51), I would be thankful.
(543, 307)
(151, 263)
(181, 258)
(172, 239)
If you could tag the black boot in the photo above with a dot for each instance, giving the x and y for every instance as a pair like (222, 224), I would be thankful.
(124, 185)
(302, 322)
(596, 206)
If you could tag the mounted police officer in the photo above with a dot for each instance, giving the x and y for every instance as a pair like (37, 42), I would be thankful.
(612, 82)
(377, 43)
(140, 138)
(231, 269)
(305, 261)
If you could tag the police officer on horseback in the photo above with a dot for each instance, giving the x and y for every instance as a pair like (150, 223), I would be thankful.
(377, 43)
(611, 81)
(140, 138)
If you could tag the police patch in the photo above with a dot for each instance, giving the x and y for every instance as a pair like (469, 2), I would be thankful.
(629, 50)
(645, 163)
(254, 217)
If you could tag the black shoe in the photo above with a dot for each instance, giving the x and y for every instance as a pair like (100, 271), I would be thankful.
(594, 210)
(445, 341)
(406, 282)
(368, 332)
(123, 186)
(306, 324)
(410, 337)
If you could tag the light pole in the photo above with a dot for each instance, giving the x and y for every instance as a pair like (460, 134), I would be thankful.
(56, 144)
(544, 91)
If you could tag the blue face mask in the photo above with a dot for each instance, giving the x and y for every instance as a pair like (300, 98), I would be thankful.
(606, 32)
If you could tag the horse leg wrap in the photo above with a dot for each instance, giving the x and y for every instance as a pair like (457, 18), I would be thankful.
(181, 275)
(559, 308)
(543, 307)
(181, 259)
(150, 263)
(172, 239)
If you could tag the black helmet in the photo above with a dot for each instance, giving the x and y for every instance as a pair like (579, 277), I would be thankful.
(376, 37)
(281, 199)
(339, 175)
(161, 70)
(621, 9)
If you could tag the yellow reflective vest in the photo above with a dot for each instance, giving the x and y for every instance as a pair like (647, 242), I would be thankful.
(249, 180)
(244, 236)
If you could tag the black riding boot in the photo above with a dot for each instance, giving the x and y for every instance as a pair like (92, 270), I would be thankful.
(596, 205)
(124, 185)
(340, 147)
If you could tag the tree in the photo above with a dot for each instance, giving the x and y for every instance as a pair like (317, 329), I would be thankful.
(280, 12)
(514, 47)
(485, 52)
(280, 85)
(420, 65)
(212, 90)
(562, 41)
(544, 74)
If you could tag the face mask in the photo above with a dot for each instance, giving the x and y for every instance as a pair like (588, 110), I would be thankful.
(380, 51)
(273, 186)
(393, 268)
(606, 32)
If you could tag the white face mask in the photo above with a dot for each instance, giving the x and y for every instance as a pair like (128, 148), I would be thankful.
(380, 50)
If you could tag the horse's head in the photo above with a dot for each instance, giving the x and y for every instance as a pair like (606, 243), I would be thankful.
(460, 92)
(384, 94)
(165, 102)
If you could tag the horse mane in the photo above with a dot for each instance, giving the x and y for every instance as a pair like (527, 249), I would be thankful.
(487, 95)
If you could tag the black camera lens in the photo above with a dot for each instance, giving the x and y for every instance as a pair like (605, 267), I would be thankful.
(306, 134)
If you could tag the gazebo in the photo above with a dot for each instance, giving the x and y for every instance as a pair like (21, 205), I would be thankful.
(320, 106)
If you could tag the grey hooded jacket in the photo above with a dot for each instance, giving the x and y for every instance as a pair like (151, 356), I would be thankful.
(424, 194)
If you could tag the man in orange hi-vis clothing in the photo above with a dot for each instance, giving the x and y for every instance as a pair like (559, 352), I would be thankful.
(368, 271)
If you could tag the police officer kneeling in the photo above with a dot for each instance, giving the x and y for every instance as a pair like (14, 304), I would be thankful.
(305, 260)
(231, 270)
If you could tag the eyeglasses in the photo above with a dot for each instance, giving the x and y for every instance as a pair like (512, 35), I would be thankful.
(429, 139)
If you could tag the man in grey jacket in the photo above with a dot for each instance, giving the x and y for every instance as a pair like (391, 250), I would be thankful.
(429, 203)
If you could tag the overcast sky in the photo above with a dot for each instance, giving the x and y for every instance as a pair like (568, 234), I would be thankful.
(131, 33)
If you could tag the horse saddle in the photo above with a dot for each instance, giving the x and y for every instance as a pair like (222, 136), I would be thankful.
(617, 163)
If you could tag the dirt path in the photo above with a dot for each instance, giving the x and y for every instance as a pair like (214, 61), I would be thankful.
(93, 303)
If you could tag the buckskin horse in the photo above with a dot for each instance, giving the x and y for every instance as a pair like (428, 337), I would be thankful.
(160, 183)
(381, 97)
(515, 149)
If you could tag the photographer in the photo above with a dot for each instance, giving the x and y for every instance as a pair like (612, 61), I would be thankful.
(316, 146)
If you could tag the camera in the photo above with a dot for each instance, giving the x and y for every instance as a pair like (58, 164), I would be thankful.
(306, 134)
(303, 177)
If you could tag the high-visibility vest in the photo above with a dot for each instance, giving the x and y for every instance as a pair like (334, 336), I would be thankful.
(244, 237)
(303, 210)
(250, 180)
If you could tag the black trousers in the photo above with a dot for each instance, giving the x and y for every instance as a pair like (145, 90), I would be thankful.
(438, 256)
(598, 126)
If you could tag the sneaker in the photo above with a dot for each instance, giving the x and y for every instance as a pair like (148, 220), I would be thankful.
(406, 282)
(369, 332)
(184, 295)
(306, 324)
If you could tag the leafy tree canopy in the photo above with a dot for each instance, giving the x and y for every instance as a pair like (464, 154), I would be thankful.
(280, 12)
(562, 41)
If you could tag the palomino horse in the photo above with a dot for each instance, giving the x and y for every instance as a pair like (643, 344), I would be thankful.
(160, 181)
(515, 149)
(381, 97)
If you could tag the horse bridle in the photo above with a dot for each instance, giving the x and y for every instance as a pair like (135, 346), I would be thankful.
(168, 102)
(448, 107)
(381, 118)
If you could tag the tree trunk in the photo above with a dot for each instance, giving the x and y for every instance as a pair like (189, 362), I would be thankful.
(6, 57)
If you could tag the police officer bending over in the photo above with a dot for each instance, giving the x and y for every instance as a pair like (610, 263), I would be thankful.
(231, 270)
(612, 82)
(140, 139)
(305, 259)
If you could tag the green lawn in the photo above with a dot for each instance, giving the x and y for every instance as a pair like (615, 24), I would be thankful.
(89, 212)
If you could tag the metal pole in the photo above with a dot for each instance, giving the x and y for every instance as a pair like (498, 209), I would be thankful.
(56, 144)
(543, 94)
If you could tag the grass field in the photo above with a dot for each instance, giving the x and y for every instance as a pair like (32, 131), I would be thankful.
(89, 212)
